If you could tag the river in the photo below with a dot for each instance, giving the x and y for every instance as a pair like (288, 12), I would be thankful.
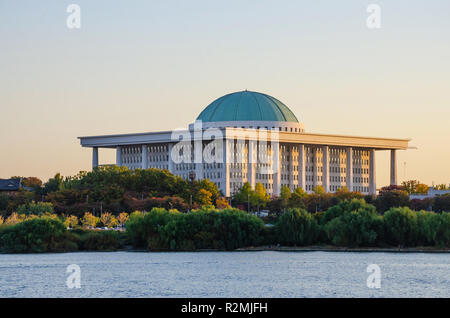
(225, 274)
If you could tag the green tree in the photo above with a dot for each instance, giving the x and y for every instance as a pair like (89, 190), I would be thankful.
(89, 220)
(318, 189)
(3, 201)
(285, 195)
(259, 198)
(37, 208)
(392, 196)
(357, 225)
(243, 194)
(410, 186)
(71, 221)
(297, 198)
(421, 188)
(222, 203)
(203, 197)
(207, 185)
(343, 194)
(53, 184)
(105, 218)
(442, 203)
(122, 218)
(32, 182)
(401, 226)
(297, 227)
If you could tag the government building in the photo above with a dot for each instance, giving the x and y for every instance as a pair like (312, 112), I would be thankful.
(253, 137)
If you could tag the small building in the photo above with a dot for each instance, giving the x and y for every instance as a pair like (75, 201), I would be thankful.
(432, 193)
(10, 185)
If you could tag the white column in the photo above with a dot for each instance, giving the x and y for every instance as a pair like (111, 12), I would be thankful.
(291, 167)
(251, 164)
(326, 168)
(276, 168)
(170, 161)
(226, 169)
(144, 157)
(315, 167)
(119, 156)
(393, 167)
(372, 172)
(94, 157)
(198, 148)
(301, 166)
(349, 169)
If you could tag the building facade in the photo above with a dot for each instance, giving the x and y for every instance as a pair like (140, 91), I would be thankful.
(253, 137)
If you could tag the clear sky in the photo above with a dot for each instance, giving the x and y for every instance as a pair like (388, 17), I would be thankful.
(137, 66)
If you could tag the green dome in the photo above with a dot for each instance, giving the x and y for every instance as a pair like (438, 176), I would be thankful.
(247, 106)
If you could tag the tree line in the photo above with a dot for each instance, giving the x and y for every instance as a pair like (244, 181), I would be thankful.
(319, 200)
(350, 223)
(115, 189)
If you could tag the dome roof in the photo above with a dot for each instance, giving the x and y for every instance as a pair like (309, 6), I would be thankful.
(247, 106)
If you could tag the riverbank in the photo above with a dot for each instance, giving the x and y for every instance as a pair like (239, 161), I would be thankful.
(315, 248)
(272, 248)
(330, 248)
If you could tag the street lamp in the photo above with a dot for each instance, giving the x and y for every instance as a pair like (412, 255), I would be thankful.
(192, 178)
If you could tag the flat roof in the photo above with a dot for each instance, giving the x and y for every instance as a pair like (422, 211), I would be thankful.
(112, 141)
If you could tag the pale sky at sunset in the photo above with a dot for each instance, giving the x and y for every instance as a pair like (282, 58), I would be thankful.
(138, 66)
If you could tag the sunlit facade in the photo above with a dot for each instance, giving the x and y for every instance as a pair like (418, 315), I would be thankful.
(261, 140)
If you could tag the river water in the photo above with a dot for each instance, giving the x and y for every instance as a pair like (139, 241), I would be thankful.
(225, 274)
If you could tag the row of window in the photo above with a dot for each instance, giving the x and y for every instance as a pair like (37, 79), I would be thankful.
(360, 180)
(212, 175)
(360, 170)
(334, 188)
(162, 167)
(158, 158)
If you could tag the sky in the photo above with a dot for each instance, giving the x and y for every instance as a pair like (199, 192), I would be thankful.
(139, 66)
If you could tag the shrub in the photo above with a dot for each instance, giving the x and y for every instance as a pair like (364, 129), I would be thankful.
(135, 229)
(433, 228)
(200, 229)
(359, 227)
(36, 235)
(442, 203)
(442, 237)
(297, 227)
(418, 204)
(37, 208)
(100, 241)
(401, 226)
(341, 208)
